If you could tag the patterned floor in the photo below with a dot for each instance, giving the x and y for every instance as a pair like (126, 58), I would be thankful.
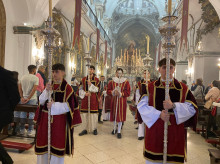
(107, 149)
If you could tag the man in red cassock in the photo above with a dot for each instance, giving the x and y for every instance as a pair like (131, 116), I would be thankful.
(89, 88)
(119, 89)
(64, 116)
(181, 113)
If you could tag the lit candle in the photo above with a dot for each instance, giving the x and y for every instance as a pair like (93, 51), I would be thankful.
(50, 8)
(169, 7)
(88, 44)
(148, 44)
(127, 56)
(136, 54)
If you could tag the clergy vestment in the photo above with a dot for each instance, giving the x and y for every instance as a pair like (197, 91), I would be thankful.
(183, 115)
(64, 116)
(94, 104)
(141, 127)
(123, 87)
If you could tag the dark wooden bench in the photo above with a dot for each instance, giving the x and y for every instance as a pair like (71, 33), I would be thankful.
(214, 156)
(16, 145)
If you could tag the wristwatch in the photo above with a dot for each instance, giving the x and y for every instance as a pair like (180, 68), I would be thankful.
(174, 105)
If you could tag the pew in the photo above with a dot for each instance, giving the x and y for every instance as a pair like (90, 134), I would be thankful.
(18, 145)
(214, 156)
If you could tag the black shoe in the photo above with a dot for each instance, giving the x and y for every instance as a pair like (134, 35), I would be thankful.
(119, 135)
(105, 120)
(83, 133)
(113, 133)
(100, 122)
(95, 132)
(140, 138)
(136, 128)
(135, 122)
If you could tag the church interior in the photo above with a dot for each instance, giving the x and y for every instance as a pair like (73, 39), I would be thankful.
(133, 35)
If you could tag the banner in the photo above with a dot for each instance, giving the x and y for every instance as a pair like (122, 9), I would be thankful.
(106, 52)
(77, 22)
(184, 28)
(111, 57)
(97, 44)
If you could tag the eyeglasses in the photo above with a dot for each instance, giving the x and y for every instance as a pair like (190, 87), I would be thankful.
(164, 67)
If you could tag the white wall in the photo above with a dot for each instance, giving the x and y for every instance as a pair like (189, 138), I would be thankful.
(181, 71)
(206, 67)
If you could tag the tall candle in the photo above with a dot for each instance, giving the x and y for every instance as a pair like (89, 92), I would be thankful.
(169, 7)
(127, 56)
(148, 44)
(136, 54)
(121, 51)
(50, 8)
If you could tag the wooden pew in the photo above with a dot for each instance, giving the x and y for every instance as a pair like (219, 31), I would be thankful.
(17, 145)
(214, 156)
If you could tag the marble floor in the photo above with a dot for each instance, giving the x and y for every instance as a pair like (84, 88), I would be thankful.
(107, 149)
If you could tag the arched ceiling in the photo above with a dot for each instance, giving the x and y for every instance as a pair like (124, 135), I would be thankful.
(137, 6)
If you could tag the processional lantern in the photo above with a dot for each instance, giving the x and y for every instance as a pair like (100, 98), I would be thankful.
(168, 31)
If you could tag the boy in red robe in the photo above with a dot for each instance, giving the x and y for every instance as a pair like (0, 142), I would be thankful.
(182, 113)
(64, 116)
(89, 88)
(119, 89)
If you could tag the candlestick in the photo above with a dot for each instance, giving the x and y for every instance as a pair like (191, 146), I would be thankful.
(50, 8)
(121, 51)
(169, 7)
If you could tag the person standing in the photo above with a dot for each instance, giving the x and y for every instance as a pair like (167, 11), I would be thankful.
(27, 90)
(119, 89)
(142, 83)
(89, 87)
(182, 113)
(103, 85)
(106, 112)
(42, 80)
(9, 96)
(64, 116)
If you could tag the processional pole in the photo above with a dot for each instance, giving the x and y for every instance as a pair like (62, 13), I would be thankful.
(116, 111)
(88, 59)
(51, 34)
(168, 31)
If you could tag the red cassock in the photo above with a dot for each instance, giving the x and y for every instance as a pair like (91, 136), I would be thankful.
(108, 99)
(153, 150)
(140, 85)
(62, 126)
(122, 101)
(94, 103)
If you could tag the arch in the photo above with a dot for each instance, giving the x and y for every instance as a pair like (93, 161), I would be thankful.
(216, 5)
(2, 33)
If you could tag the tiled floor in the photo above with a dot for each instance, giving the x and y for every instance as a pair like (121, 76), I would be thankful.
(107, 149)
